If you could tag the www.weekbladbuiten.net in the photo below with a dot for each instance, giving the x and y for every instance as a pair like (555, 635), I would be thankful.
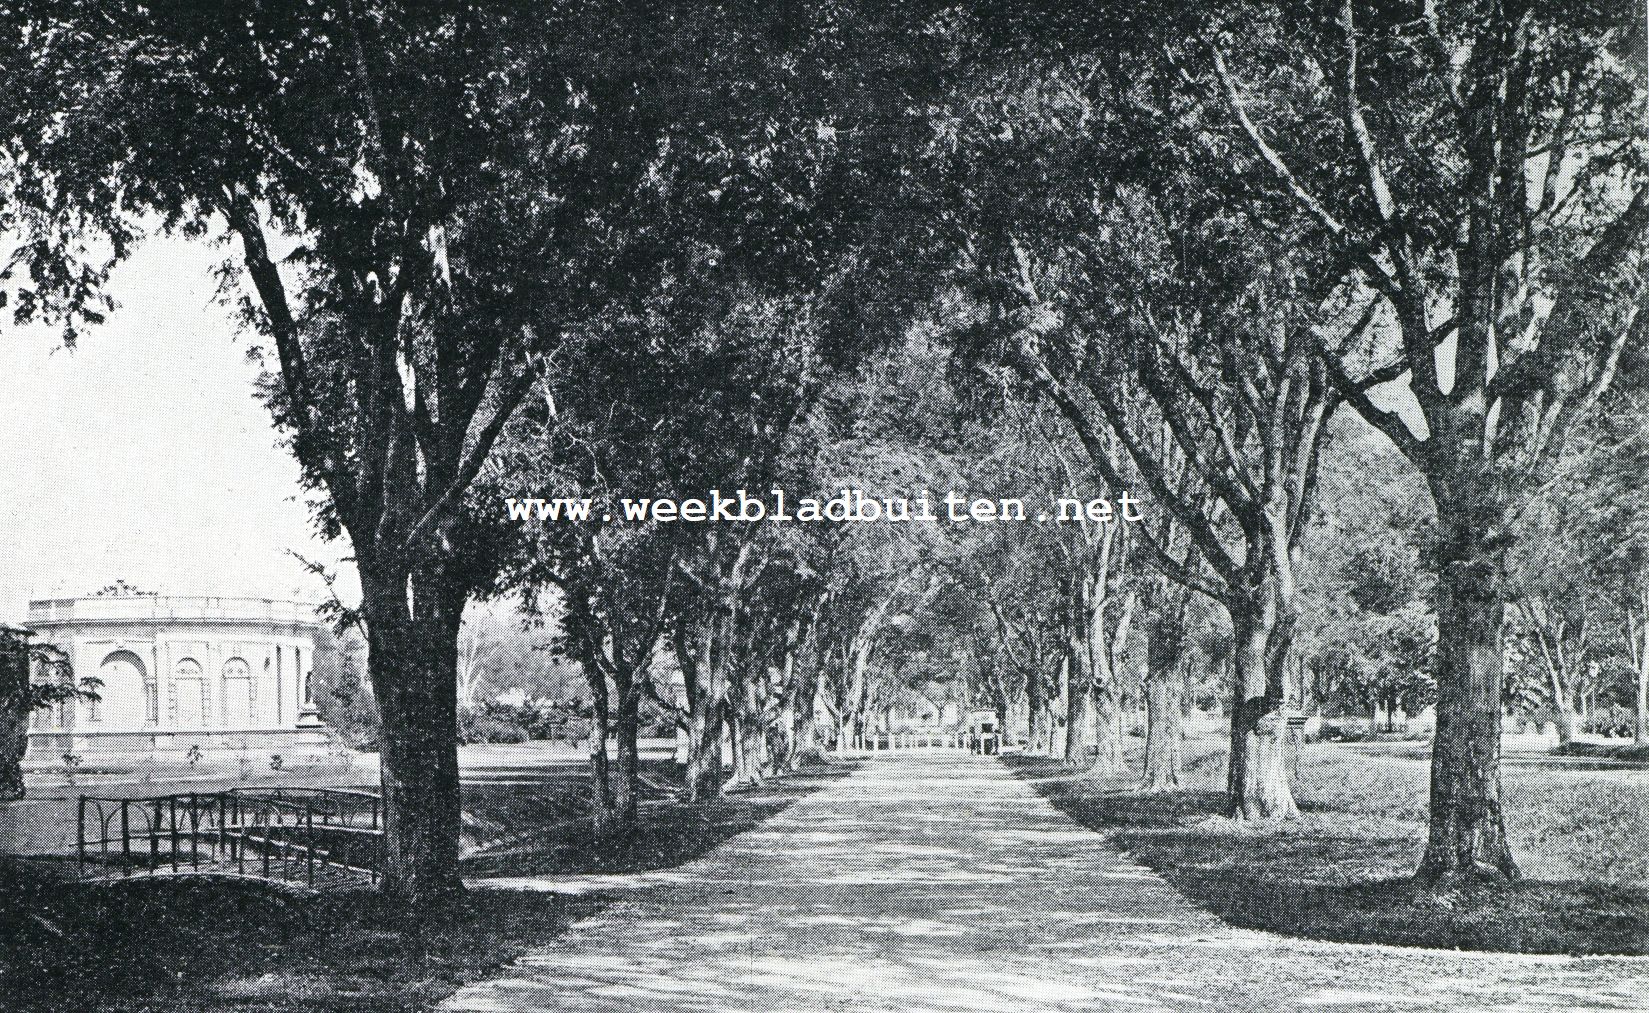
(846, 505)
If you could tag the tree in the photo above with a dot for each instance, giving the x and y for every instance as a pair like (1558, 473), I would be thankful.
(477, 645)
(426, 200)
(1482, 170)
(1597, 498)
(342, 687)
(1202, 368)
(1558, 614)
(32, 677)
(397, 244)
(1368, 629)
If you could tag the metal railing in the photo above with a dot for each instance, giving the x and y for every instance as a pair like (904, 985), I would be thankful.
(312, 835)
(988, 742)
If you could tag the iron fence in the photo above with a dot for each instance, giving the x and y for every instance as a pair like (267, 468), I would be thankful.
(318, 836)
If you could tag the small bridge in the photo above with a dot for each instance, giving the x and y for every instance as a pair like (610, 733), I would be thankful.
(317, 837)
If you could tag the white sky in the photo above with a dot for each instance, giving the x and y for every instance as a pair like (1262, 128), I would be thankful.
(143, 454)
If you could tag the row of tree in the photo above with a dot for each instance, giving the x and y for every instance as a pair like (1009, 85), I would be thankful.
(609, 250)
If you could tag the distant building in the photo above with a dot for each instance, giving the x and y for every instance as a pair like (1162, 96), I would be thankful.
(180, 671)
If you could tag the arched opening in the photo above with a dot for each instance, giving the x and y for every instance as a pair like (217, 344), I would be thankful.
(121, 699)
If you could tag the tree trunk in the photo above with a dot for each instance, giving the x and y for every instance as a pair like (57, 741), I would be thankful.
(1077, 738)
(601, 785)
(735, 742)
(413, 661)
(1565, 721)
(1163, 734)
(707, 703)
(1257, 774)
(14, 745)
(1163, 687)
(844, 734)
(1107, 731)
(628, 727)
(14, 713)
(805, 740)
(787, 725)
(1468, 831)
(748, 733)
(1036, 713)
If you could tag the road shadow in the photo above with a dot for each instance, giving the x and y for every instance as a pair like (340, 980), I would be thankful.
(211, 943)
(1338, 874)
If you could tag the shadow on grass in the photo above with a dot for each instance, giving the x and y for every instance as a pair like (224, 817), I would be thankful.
(667, 833)
(217, 943)
(1339, 875)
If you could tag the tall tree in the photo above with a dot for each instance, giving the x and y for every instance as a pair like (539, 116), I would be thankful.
(1483, 169)
(425, 198)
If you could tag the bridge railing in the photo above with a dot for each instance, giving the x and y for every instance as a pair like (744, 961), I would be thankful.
(293, 834)
(883, 741)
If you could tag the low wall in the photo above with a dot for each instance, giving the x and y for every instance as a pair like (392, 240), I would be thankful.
(51, 745)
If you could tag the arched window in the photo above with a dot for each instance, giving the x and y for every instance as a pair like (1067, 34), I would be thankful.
(189, 694)
(239, 700)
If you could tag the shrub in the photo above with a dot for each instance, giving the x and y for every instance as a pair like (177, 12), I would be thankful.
(1613, 721)
(477, 726)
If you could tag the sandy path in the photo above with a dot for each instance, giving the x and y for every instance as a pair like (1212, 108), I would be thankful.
(940, 882)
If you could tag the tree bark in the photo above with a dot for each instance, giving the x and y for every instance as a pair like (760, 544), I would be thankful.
(704, 766)
(1565, 721)
(1036, 712)
(1468, 831)
(700, 652)
(601, 786)
(413, 660)
(15, 698)
(14, 745)
(1165, 685)
(1077, 737)
(805, 740)
(749, 735)
(1107, 730)
(626, 786)
(1257, 774)
(1109, 654)
(1163, 734)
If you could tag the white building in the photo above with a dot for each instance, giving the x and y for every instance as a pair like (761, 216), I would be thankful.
(180, 671)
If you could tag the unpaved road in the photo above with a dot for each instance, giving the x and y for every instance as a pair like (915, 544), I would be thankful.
(940, 882)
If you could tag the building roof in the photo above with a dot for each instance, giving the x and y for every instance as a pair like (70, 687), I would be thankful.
(146, 608)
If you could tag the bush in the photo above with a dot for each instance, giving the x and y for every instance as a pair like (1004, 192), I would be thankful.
(476, 726)
(1614, 722)
(507, 723)
(1356, 729)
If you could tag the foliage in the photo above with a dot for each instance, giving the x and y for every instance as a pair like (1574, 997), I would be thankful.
(342, 691)
(38, 676)
(493, 721)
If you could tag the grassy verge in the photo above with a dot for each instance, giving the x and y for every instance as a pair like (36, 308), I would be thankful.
(214, 944)
(1341, 871)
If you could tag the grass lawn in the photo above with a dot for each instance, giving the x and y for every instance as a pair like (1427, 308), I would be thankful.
(216, 944)
(1341, 871)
